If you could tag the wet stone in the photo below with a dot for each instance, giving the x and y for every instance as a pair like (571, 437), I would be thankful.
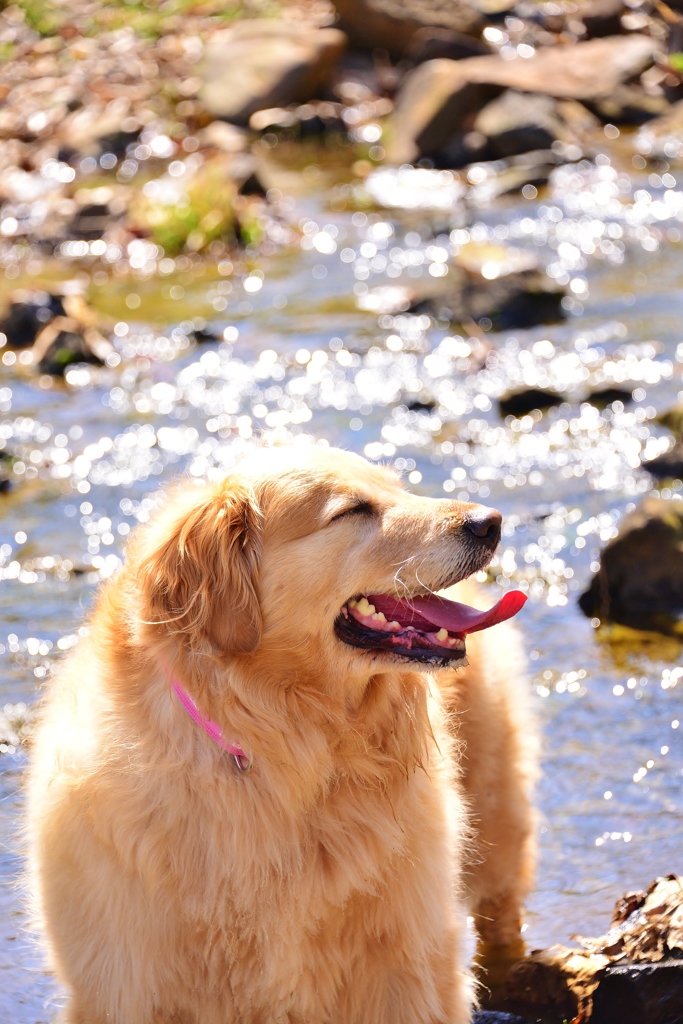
(673, 420)
(512, 301)
(495, 286)
(668, 466)
(67, 348)
(521, 403)
(27, 316)
(602, 397)
(638, 993)
(640, 579)
(91, 221)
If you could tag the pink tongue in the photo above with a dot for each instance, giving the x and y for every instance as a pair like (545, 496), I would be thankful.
(425, 612)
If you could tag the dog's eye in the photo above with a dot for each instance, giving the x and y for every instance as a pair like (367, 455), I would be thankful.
(362, 508)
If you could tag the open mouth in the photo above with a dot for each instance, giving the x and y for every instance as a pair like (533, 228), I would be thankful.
(424, 628)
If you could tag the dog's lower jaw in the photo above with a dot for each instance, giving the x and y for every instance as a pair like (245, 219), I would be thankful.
(383, 645)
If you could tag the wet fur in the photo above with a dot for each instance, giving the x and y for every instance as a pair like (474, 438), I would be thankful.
(325, 887)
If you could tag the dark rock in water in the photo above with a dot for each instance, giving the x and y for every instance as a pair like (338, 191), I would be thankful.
(640, 994)
(515, 300)
(6, 464)
(523, 300)
(603, 397)
(393, 24)
(205, 336)
(640, 580)
(267, 63)
(521, 403)
(67, 348)
(421, 404)
(499, 287)
(667, 466)
(91, 221)
(27, 315)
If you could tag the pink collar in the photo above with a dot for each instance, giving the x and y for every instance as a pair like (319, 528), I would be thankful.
(212, 729)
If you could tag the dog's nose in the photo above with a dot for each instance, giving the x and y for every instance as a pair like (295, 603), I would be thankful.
(484, 524)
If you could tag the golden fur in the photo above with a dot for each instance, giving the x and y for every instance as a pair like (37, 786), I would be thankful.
(326, 886)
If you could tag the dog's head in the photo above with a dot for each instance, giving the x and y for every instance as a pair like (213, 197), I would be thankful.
(319, 556)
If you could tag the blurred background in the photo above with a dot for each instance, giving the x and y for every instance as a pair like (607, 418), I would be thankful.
(444, 234)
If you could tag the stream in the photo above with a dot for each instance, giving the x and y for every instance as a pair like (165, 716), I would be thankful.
(304, 346)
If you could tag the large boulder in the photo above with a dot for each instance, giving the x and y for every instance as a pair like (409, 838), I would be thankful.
(640, 579)
(440, 97)
(393, 25)
(263, 63)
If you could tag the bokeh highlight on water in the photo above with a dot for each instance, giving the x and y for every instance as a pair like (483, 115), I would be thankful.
(305, 347)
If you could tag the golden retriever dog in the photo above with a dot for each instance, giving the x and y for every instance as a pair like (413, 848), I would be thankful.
(254, 785)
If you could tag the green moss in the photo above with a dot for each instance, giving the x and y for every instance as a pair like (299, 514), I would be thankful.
(205, 213)
(147, 18)
(42, 15)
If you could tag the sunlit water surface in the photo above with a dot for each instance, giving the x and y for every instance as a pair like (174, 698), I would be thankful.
(299, 355)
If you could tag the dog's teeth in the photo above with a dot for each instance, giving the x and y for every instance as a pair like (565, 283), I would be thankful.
(352, 603)
(442, 634)
(464, 662)
(379, 617)
(364, 606)
(394, 625)
(411, 628)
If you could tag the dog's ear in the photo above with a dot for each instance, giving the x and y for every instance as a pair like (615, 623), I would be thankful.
(201, 581)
